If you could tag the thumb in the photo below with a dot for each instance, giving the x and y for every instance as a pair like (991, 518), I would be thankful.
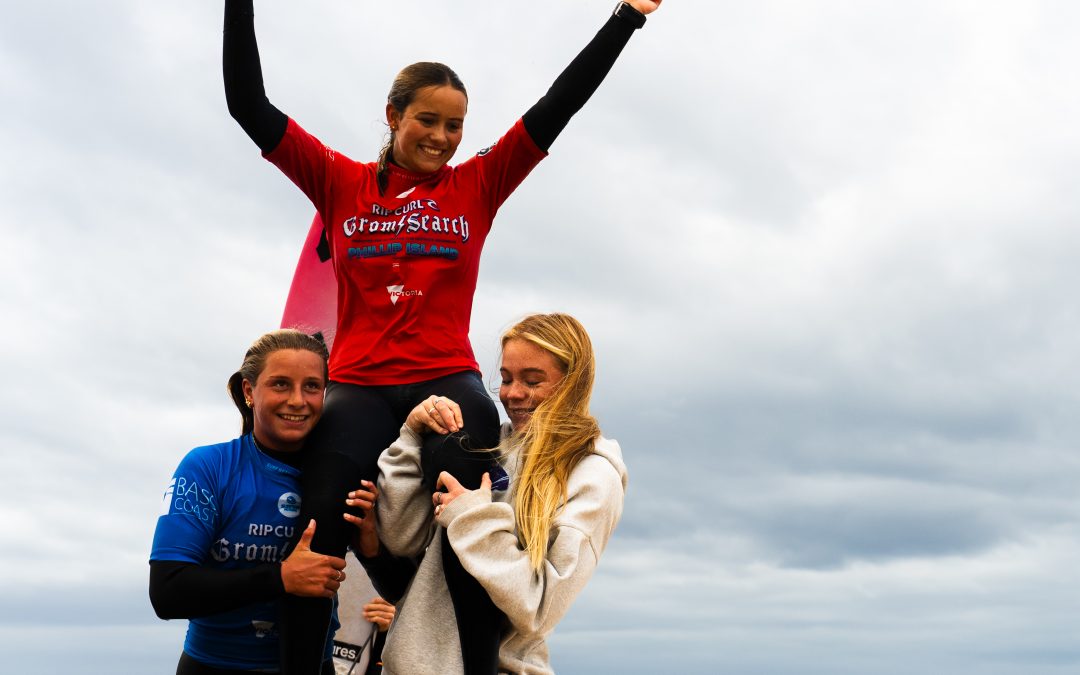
(485, 481)
(305, 539)
(447, 480)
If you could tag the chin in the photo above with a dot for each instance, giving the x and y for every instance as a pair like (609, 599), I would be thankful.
(293, 437)
(429, 166)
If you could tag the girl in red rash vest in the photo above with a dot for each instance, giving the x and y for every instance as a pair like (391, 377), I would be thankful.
(405, 235)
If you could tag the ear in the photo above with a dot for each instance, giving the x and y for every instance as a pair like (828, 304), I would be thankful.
(392, 115)
(245, 386)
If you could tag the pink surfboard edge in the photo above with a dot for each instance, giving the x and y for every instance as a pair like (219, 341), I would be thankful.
(311, 305)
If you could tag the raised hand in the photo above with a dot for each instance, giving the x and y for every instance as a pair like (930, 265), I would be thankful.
(644, 6)
(311, 574)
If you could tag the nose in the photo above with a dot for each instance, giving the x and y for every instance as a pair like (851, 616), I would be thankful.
(515, 392)
(296, 397)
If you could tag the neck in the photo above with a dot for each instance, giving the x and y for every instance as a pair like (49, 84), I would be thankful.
(290, 457)
(261, 445)
(409, 173)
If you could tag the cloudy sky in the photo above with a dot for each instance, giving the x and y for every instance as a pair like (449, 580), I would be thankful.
(826, 251)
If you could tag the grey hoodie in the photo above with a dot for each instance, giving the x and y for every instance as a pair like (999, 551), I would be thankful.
(480, 524)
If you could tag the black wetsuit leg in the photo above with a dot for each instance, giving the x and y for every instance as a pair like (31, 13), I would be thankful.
(356, 426)
(358, 423)
(466, 456)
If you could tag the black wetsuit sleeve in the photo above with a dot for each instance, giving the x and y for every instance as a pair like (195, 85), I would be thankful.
(389, 574)
(244, 91)
(183, 590)
(550, 115)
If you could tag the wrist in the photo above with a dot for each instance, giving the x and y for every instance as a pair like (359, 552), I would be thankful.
(281, 578)
(368, 549)
(630, 14)
(462, 503)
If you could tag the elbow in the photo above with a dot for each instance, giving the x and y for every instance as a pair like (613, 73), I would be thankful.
(237, 111)
(161, 606)
(163, 598)
(535, 623)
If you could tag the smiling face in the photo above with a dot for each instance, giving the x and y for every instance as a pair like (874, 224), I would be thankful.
(530, 375)
(428, 131)
(287, 398)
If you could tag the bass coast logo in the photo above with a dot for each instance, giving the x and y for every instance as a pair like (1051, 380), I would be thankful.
(288, 505)
(186, 496)
(486, 150)
(400, 292)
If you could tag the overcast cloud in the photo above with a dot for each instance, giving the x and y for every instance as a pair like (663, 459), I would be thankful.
(826, 251)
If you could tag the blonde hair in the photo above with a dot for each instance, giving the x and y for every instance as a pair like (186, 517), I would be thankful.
(560, 432)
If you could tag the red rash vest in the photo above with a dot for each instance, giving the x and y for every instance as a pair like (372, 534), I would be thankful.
(406, 263)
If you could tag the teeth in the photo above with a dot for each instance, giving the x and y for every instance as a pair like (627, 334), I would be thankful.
(431, 151)
(294, 418)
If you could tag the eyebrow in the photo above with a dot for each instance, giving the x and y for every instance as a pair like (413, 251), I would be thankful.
(530, 371)
(418, 113)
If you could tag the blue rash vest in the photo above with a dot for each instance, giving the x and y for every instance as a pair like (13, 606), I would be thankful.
(230, 506)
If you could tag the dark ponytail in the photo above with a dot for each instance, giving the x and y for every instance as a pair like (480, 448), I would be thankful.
(255, 361)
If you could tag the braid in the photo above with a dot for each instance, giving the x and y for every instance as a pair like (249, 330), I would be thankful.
(382, 177)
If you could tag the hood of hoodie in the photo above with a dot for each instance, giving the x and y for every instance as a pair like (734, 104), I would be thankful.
(609, 449)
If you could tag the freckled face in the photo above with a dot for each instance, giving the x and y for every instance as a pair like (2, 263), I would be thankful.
(428, 132)
(287, 398)
(529, 376)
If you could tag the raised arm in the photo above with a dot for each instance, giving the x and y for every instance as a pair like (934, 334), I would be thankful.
(244, 91)
(550, 115)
